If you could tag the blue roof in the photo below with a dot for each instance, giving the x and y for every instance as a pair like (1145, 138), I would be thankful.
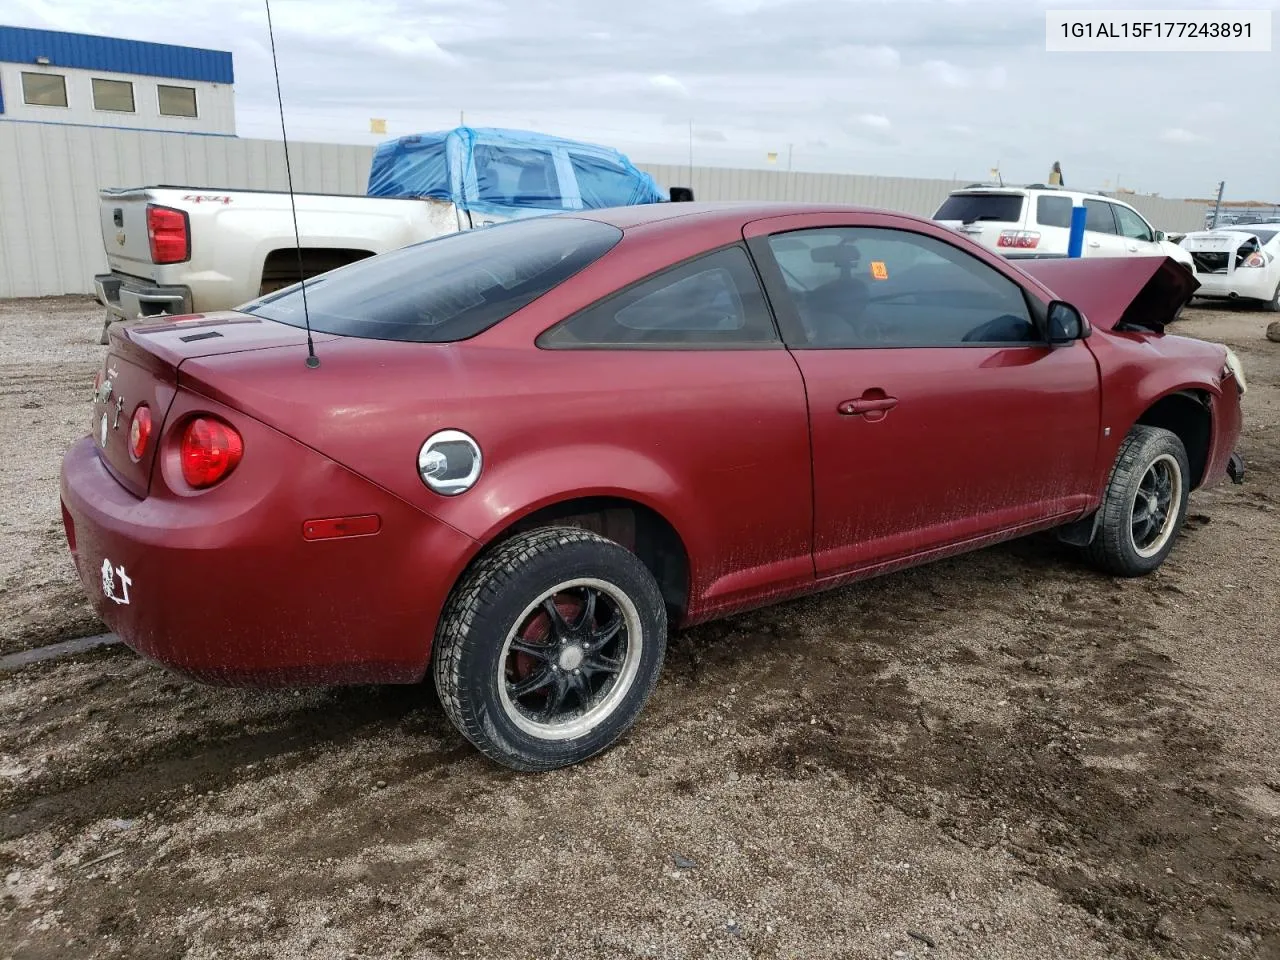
(87, 52)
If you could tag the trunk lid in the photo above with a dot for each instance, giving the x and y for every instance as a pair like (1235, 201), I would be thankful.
(982, 215)
(123, 215)
(1217, 251)
(1118, 293)
(142, 367)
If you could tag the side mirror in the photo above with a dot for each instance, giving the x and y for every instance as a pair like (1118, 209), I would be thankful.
(1160, 235)
(1066, 324)
(681, 194)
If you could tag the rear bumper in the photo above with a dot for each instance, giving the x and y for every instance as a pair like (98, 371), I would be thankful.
(1245, 283)
(223, 587)
(127, 298)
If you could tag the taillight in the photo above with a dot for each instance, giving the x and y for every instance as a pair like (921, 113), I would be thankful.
(167, 231)
(210, 450)
(1256, 259)
(140, 432)
(1019, 239)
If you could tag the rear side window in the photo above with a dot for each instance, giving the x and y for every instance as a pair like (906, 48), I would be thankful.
(1053, 211)
(1098, 218)
(520, 177)
(712, 300)
(446, 289)
(971, 207)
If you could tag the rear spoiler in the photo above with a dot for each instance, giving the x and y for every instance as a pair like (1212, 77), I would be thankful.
(1119, 293)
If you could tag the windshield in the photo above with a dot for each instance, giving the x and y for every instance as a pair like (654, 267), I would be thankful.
(969, 207)
(1264, 236)
(446, 289)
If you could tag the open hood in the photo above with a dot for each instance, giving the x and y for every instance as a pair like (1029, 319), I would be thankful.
(1119, 293)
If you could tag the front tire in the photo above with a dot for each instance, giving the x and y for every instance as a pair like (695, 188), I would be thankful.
(1144, 505)
(549, 648)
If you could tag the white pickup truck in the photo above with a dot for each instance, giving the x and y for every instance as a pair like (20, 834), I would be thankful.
(177, 249)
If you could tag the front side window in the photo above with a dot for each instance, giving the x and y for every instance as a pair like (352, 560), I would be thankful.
(875, 287)
(602, 183)
(116, 95)
(1132, 225)
(713, 300)
(176, 101)
(1098, 218)
(446, 289)
(44, 89)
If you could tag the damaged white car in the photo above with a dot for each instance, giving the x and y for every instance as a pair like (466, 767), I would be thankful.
(1240, 262)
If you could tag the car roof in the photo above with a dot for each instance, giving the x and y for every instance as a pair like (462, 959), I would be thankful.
(979, 188)
(707, 212)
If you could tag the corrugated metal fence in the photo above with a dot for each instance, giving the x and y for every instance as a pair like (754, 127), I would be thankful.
(50, 175)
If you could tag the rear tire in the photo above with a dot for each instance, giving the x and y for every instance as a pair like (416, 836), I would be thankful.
(549, 648)
(1273, 305)
(1144, 505)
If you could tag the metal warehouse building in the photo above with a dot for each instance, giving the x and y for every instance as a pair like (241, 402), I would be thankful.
(75, 78)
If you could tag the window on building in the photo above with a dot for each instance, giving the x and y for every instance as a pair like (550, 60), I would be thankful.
(177, 101)
(114, 95)
(44, 89)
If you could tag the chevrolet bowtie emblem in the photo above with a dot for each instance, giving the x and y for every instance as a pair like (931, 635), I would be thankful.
(120, 237)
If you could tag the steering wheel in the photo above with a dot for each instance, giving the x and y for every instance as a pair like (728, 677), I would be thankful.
(823, 325)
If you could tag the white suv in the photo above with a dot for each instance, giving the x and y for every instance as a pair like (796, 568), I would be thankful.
(1035, 223)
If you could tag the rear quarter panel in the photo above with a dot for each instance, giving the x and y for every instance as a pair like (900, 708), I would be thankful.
(715, 442)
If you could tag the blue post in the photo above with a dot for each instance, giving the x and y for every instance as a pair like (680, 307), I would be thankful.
(1075, 246)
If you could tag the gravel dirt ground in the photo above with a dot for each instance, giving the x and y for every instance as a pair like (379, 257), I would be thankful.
(1004, 755)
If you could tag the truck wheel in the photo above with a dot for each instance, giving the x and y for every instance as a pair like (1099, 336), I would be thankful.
(1144, 504)
(549, 648)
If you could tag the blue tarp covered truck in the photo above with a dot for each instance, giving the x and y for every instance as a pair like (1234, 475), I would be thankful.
(194, 249)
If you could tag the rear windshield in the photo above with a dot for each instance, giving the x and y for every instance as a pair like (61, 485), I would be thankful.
(968, 207)
(446, 289)
(1264, 236)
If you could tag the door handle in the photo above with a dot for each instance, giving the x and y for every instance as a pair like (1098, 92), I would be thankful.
(1094, 243)
(1133, 248)
(856, 408)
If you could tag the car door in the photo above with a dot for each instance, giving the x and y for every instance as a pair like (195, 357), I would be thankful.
(1139, 239)
(1101, 236)
(937, 413)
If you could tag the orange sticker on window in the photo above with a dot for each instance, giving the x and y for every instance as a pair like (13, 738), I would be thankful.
(879, 270)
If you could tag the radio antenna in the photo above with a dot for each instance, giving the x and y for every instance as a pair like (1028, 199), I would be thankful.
(312, 360)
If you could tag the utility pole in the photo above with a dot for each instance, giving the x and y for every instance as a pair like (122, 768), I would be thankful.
(1217, 207)
(690, 151)
(462, 118)
(789, 146)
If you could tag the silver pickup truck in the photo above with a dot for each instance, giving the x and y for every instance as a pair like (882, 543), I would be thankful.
(179, 249)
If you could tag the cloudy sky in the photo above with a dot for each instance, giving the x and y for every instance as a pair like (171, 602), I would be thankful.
(930, 88)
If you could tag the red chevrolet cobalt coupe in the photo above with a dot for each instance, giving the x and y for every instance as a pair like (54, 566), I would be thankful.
(530, 450)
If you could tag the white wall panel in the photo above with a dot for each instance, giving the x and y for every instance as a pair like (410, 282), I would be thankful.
(51, 243)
